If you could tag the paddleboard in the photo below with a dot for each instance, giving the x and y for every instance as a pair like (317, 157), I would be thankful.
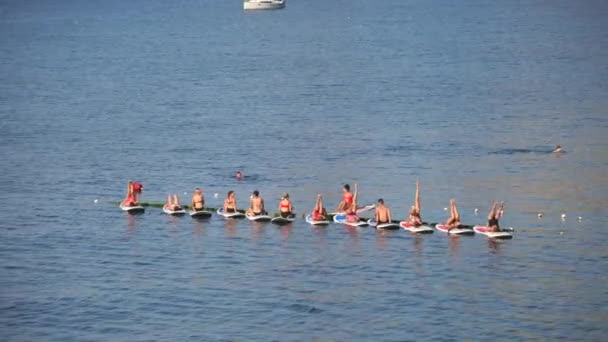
(174, 212)
(259, 218)
(136, 209)
(455, 231)
(418, 230)
(316, 223)
(200, 214)
(493, 235)
(235, 215)
(341, 218)
(389, 225)
(281, 221)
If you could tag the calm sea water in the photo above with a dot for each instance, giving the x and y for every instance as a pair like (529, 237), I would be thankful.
(468, 96)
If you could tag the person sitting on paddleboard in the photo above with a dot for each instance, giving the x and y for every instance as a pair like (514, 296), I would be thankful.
(347, 199)
(230, 202)
(133, 189)
(383, 213)
(415, 220)
(173, 203)
(285, 208)
(494, 215)
(454, 220)
(351, 211)
(256, 205)
(319, 213)
(198, 200)
(558, 149)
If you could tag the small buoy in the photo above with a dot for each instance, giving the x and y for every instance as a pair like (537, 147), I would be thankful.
(580, 218)
(216, 195)
(476, 211)
(445, 209)
(95, 201)
(185, 193)
(561, 233)
(540, 215)
(563, 216)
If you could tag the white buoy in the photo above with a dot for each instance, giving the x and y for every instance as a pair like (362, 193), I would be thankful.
(580, 218)
(185, 193)
(476, 211)
(216, 195)
(95, 201)
(561, 233)
(445, 209)
(563, 216)
(540, 215)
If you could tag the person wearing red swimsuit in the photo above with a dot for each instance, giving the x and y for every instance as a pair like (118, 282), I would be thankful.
(133, 189)
(347, 199)
(285, 208)
(319, 213)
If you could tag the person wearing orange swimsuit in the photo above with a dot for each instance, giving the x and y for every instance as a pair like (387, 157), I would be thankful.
(347, 199)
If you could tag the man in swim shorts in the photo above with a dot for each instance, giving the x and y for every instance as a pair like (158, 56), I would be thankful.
(383, 213)
(256, 205)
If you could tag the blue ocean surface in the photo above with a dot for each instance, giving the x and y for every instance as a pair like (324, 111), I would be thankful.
(469, 97)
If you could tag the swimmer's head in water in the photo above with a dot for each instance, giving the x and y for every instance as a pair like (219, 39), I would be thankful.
(346, 187)
(256, 193)
(239, 175)
(380, 200)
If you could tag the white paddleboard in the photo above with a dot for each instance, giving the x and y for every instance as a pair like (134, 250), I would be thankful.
(259, 218)
(341, 218)
(389, 225)
(316, 223)
(200, 214)
(235, 215)
(493, 235)
(136, 209)
(281, 221)
(418, 230)
(174, 212)
(455, 231)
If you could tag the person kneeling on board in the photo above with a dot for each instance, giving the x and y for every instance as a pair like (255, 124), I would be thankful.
(494, 215)
(351, 213)
(173, 203)
(347, 199)
(454, 220)
(256, 205)
(414, 219)
(383, 213)
(285, 208)
(319, 213)
(198, 200)
(230, 202)
(133, 189)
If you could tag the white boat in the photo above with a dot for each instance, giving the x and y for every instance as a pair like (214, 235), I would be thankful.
(263, 4)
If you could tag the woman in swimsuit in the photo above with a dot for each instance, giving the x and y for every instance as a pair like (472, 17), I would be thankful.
(454, 220)
(173, 203)
(351, 214)
(133, 189)
(230, 202)
(285, 207)
(319, 213)
(415, 219)
(198, 200)
(494, 215)
(347, 199)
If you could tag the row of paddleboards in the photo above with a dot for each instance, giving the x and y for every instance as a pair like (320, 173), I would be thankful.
(337, 218)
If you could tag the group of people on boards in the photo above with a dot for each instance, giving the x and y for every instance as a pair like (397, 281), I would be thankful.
(348, 205)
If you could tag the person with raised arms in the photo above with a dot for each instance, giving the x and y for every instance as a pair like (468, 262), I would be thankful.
(347, 199)
(454, 220)
(198, 200)
(256, 205)
(383, 213)
(415, 219)
(285, 207)
(173, 203)
(230, 202)
(319, 213)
